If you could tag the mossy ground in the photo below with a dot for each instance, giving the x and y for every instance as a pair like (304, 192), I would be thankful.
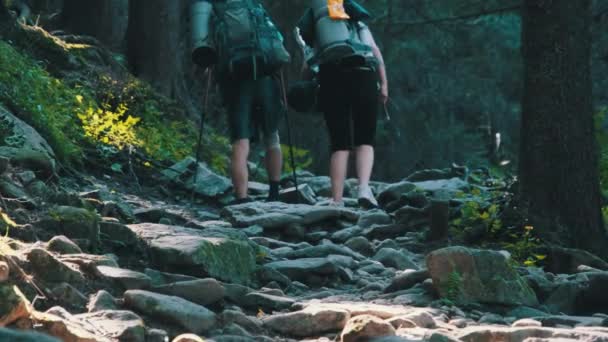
(56, 107)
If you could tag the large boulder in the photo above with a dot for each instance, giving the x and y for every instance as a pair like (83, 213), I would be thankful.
(281, 215)
(208, 183)
(22, 144)
(582, 294)
(225, 254)
(471, 275)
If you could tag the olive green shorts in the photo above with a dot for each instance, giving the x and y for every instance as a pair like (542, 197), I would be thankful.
(254, 107)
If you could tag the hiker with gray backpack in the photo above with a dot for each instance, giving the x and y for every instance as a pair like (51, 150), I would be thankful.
(352, 86)
(238, 39)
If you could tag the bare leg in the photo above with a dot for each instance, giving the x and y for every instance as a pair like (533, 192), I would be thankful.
(274, 163)
(365, 164)
(240, 174)
(337, 172)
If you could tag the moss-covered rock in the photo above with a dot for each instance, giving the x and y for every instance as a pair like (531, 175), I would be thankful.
(220, 253)
(470, 275)
(75, 223)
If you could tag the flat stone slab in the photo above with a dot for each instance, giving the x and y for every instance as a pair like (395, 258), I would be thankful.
(196, 318)
(128, 279)
(221, 253)
(278, 215)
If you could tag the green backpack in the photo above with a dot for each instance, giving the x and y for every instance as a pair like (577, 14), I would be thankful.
(248, 43)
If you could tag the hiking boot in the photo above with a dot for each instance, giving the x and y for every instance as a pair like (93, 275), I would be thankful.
(366, 198)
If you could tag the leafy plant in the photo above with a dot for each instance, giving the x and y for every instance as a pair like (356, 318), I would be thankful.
(302, 157)
(453, 286)
(110, 127)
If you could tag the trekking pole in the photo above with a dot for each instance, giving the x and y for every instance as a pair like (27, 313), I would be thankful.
(199, 144)
(289, 140)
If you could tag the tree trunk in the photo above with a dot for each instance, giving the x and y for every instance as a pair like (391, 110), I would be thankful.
(158, 46)
(105, 20)
(559, 158)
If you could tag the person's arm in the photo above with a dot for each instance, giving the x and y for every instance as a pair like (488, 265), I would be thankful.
(368, 38)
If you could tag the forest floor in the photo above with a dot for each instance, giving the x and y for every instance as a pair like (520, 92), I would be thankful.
(94, 259)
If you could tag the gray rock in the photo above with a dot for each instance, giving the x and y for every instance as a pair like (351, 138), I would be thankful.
(265, 301)
(567, 260)
(75, 223)
(304, 194)
(118, 325)
(301, 269)
(281, 215)
(4, 271)
(308, 322)
(199, 291)
(365, 327)
(208, 183)
(526, 312)
(388, 230)
(393, 258)
(194, 317)
(51, 270)
(445, 187)
(162, 278)
(117, 231)
(62, 245)
(225, 254)
(470, 275)
(492, 318)
(323, 250)
(373, 217)
(102, 301)
(24, 146)
(393, 191)
(11, 190)
(346, 234)
(126, 279)
(361, 245)
(267, 274)
(69, 296)
(252, 324)
(406, 280)
(584, 294)
(24, 336)
(321, 185)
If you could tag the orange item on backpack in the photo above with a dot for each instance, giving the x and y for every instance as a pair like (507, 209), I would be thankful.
(336, 10)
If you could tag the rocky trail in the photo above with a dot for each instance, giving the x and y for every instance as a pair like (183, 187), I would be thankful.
(94, 260)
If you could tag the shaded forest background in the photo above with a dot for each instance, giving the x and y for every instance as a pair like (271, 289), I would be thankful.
(454, 71)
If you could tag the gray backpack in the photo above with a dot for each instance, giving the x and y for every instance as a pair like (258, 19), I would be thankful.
(249, 45)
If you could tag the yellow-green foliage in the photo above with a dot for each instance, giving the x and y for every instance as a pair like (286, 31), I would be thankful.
(110, 127)
(43, 101)
(302, 157)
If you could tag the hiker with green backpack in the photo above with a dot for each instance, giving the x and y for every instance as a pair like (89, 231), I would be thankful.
(352, 86)
(240, 41)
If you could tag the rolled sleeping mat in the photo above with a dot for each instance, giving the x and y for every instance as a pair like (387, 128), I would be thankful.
(203, 52)
(331, 35)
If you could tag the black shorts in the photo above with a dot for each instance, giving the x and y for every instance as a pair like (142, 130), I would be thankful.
(253, 106)
(349, 101)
